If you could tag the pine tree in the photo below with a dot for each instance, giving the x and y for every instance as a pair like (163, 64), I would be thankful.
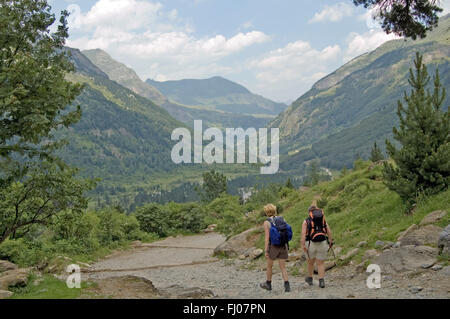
(422, 164)
(376, 154)
(408, 18)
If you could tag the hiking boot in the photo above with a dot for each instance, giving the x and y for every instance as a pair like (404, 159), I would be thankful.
(322, 283)
(309, 280)
(287, 286)
(266, 285)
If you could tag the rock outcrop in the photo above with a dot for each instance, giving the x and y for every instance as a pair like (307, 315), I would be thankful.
(241, 244)
(406, 258)
(425, 235)
(14, 278)
(444, 241)
(433, 217)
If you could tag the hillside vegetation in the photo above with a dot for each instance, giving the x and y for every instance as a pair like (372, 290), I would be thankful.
(218, 93)
(358, 207)
(347, 111)
(189, 110)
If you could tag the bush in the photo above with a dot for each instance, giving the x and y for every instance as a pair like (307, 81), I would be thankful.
(228, 213)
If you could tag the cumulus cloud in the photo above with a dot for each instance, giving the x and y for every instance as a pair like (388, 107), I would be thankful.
(445, 4)
(141, 31)
(333, 13)
(366, 42)
(293, 68)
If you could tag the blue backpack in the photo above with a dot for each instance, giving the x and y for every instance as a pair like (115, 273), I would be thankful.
(280, 231)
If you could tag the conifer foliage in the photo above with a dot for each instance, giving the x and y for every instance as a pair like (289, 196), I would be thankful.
(422, 163)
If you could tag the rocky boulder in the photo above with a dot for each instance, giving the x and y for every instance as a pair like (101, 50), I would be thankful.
(406, 258)
(14, 278)
(256, 253)
(433, 217)
(444, 241)
(240, 244)
(210, 229)
(419, 236)
(6, 265)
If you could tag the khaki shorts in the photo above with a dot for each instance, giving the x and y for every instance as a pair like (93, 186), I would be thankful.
(318, 250)
(278, 252)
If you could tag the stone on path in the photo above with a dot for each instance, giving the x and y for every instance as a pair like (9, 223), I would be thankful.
(239, 244)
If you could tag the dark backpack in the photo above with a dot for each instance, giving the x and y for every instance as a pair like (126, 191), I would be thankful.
(316, 226)
(280, 232)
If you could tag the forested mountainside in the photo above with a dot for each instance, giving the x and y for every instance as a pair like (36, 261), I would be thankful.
(347, 111)
(184, 112)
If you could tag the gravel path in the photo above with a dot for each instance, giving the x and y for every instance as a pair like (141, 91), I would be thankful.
(169, 262)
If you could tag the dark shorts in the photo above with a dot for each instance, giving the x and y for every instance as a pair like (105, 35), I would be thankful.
(278, 252)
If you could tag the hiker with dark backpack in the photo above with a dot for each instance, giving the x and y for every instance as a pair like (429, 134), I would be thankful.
(316, 241)
(277, 236)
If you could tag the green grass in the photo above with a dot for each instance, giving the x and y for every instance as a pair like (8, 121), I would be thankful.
(361, 208)
(48, 287)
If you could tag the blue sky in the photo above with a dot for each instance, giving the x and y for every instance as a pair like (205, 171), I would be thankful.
(276, 48)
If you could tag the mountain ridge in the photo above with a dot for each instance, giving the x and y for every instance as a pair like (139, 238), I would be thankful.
(331, 121)
(185, 113)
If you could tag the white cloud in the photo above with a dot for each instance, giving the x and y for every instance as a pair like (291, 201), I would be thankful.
(333, 13)
(119, 14)
(155, 42)
(445, 4)
(366, 42)
(293, 68)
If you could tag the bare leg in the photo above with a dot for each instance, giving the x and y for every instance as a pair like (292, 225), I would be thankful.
(269, 269)
(321, 268)
(284, 273)
(311, 267)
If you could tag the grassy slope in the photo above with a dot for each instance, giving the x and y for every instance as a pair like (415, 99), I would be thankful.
(360, 208)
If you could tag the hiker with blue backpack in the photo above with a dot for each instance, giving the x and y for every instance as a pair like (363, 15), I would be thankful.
(277, 236)
(316, 241)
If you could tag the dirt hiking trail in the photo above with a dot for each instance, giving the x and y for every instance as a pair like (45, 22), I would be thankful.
(184, 267)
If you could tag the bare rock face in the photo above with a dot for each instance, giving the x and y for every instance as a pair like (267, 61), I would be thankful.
(444, 241)
(433, 217)
(408, 231)
(406, 258)
(6, 265)
(424, 235)
(239, 244)
(14, 278)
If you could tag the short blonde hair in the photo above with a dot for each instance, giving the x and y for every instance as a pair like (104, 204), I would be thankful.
(270, 210)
